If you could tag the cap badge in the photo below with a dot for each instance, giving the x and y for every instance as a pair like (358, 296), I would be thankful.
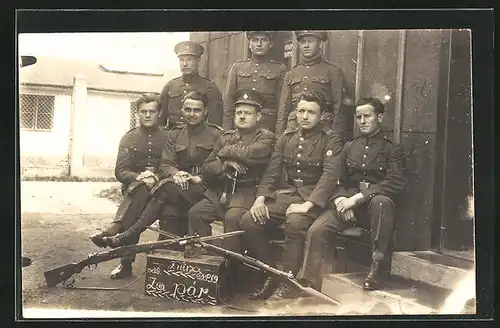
(329, 153)
(245, 96)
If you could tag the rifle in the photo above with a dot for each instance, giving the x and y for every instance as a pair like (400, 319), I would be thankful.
(257, 265)
(65, 272)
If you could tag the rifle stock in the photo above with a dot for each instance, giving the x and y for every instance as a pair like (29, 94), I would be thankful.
(64, 272)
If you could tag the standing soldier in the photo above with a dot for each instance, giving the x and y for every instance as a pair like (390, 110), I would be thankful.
(374, 175)
(182, 185)
(136, 168)
(257, 73)
(310, 154)
(313, 73)
(173, 92)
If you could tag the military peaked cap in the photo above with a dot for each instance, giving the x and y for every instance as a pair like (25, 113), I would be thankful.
(270, 34)
(250, 97)
(322, 35)
(189, 48)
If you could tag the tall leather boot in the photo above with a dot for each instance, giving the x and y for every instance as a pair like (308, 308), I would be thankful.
(148, 216)
(375, 277)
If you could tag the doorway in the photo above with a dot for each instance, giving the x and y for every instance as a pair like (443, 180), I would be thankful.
(453, 232)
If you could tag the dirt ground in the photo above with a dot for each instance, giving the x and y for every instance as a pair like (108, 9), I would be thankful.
(57, 218)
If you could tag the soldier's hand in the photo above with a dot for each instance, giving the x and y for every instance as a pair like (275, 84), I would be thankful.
(348, 216)
(259, 211)
(196, 179)
(145, 174)
(150, 182)
(298, 208)
(346, 204)
(240, 168)
(181, 179)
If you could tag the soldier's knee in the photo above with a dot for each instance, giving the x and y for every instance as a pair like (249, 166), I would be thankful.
(381, 201)
(247, 223)
(322, 223)
(140, 191)
(295, 224)
(234, 216)
(194, 214)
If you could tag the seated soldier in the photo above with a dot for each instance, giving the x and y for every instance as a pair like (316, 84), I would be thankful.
(236, 164)
(374, 176)
(186, 148)
(310, 155)
(136, 168)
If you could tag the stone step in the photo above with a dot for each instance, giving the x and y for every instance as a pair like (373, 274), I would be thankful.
(397, 297)
(347, 289)
(430, 268)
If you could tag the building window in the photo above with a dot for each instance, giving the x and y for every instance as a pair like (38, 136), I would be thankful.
(133, 118)
(36, 112)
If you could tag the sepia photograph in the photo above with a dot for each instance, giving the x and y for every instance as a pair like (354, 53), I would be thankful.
(246, 173)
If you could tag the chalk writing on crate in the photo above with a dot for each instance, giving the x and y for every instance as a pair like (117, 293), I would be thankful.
(181, 292)
(182, 269)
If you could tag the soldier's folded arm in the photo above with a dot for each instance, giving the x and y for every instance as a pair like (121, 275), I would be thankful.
(337, 86)
(332, 171)
(227, 98)
(212, 166)
(285, 105)
(168, 164)
(257, 153)
(395, 179)
(268, 183)
(123, 168)
(214, 110)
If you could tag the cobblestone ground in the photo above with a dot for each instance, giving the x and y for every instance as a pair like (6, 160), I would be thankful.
(56, 219)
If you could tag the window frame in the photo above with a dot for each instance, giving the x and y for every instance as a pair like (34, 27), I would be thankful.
(35, 112)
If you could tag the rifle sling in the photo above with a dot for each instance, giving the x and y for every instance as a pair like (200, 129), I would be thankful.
(71, 286)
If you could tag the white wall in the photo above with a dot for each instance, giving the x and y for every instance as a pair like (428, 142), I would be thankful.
(108, 118)
(52, 145)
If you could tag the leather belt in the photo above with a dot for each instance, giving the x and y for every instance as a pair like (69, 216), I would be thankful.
(299, 182)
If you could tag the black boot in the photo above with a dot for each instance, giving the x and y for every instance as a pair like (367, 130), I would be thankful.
(98, 240)
(117, 240)
(265, 290)
(124, 270)
(374, 278)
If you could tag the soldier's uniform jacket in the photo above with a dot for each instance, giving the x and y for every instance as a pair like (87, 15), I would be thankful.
(173, 92)
(372, 166)
(139, 149)
(317, 75)
(312, 163)
(265, 77)
(253, 149)
(187, 148)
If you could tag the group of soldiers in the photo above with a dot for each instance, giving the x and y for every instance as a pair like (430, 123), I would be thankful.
(279, 161)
